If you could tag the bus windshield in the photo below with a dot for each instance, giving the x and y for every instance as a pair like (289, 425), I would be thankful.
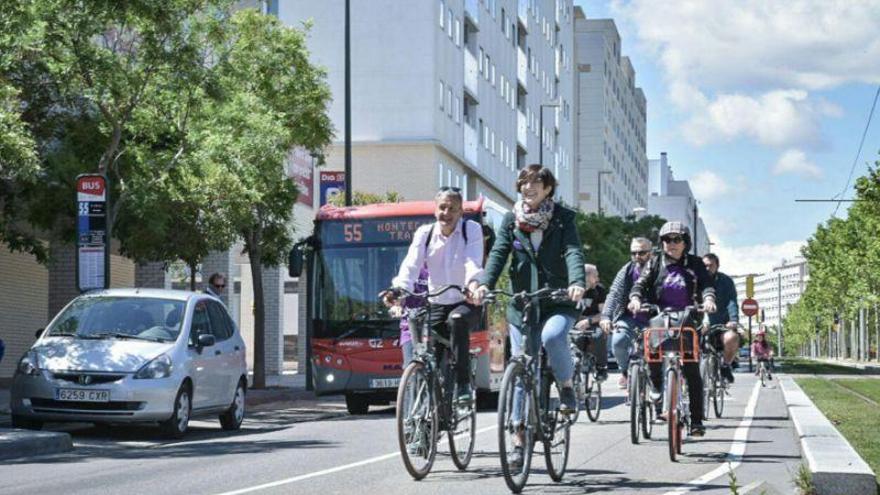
(350, 280)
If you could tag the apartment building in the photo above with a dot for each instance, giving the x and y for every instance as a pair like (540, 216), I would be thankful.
(778, 289)
(448, 92)
(611, 122)
(674, 200)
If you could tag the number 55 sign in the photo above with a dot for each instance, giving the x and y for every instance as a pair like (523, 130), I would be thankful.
(92, 231)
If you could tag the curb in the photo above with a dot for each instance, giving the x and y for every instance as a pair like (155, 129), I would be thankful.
(24, 443)
(835, 465)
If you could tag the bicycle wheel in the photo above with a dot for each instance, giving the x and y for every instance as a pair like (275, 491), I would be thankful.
(720, 392)
(671, 403)
(647, 405)
(556, 430)
(462, 432)
(635, 403)
(579, 392)
(417, 426)
(513, 425)
(593, 402)
(706, 367)
(683, 412)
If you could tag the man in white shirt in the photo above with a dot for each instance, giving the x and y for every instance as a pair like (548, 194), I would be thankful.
(452, 249)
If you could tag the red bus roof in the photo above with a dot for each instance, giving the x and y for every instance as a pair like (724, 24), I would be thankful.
(384, 210)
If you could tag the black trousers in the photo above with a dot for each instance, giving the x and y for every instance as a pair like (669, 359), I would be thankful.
(596, 343)
(694, 384)
(461, 319)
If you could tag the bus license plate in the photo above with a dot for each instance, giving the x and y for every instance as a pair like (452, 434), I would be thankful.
(82, 395)
(384, 382)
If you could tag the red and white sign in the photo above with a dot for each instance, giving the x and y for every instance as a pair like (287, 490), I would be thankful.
(300, 168)
(91, 188)
(749, 307)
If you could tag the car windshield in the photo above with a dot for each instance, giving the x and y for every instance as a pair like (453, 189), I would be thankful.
(135, 318)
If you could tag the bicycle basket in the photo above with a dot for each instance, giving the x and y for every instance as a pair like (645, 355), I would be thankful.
(683, 342)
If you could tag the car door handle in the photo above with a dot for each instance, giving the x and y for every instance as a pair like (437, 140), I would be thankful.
(217, 353)
(237, 348)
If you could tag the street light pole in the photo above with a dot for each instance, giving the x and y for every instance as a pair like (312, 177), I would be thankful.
(348, 181)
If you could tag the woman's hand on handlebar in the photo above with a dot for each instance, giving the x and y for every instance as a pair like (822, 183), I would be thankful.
(709, 305)
(390, 297)
(605, 325)
(477, 293)
(635, 305)
(575, 292)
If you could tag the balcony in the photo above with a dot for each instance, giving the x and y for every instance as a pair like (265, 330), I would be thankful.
(522, 12)
(522, 67)
(471, 145)
(522, 132)
(471, 74)
(472, 13)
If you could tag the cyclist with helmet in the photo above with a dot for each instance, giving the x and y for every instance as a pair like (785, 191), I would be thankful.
(763, 351)
(728, 315)
(676, 279)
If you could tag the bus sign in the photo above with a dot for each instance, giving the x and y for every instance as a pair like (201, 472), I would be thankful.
(372, 231)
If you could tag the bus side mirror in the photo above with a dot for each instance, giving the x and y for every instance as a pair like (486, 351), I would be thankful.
(295, 261)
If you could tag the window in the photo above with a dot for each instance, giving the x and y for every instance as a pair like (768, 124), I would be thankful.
(449, 101)
(200, 324)
(504, 23)
(493, 75)
(492, 143)
(481, 130)
(456, 110)
(442, 94)
(457, 32)
(449, 23)
(486, 137)
(482, 57)
(488, 64)
(220, 324)
(442, 14)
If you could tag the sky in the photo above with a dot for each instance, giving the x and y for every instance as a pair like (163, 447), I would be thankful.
(757, 104)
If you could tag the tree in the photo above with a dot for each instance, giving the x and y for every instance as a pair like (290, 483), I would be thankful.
(360, 198)
(607, 239)
(269, 100)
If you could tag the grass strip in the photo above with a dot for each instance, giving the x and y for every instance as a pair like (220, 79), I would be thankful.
(870, 388)
(809, 367)
(857, 420)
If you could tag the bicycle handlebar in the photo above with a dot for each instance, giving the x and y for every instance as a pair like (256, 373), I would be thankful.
(649, 308)
(520, 297)
(423, 295)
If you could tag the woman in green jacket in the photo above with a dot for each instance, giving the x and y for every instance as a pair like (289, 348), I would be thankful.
(540, 238)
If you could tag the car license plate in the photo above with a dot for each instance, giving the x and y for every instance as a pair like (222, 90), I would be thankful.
(82, 395)
(384, 382)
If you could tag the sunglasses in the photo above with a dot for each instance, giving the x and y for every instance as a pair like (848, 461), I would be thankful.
(639, 253)
(220, 286)
(447, 188)
(673, 239)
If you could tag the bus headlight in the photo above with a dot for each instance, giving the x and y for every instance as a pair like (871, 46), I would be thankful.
(330, 378)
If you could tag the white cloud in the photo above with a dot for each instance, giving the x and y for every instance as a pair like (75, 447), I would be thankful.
(794, 161)
(757, 258)
(707, 185)
(776, 118)
(746, 68)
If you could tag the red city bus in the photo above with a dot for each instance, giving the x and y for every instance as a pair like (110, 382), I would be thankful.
(352, 255)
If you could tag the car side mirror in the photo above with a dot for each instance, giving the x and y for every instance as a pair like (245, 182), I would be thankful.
(39, 332)
(206, 340)
(295, 261)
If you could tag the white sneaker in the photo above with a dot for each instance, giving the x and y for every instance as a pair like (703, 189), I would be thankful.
(622, 382)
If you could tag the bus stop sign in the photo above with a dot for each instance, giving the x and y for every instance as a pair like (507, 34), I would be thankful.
(750, 307)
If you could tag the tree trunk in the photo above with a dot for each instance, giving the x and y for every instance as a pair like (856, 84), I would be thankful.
(192, 275)
(252, 243)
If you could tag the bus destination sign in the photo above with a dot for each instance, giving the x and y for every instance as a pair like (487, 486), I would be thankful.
(373, 231)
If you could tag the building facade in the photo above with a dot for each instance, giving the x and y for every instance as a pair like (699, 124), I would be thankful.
(448, 92)
(611, 122)
(674, 200)
(777, 290)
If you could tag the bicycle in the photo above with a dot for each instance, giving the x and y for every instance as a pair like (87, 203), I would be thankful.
(587, 386)
(668, 345)
(425, 400)
(764, 371)
(641, 407)
(538, 418)
(715, 386)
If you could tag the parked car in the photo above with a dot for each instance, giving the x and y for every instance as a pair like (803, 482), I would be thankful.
(134, 355)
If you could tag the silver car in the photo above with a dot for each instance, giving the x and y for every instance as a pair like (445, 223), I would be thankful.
(134, 355)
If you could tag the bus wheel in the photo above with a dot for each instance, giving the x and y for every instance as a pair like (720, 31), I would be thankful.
(357, 404)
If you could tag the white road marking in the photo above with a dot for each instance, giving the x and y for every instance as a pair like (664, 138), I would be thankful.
(371, 460)
(737, 448)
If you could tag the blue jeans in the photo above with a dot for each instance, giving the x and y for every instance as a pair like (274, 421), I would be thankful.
(554, 336)
(625, 333)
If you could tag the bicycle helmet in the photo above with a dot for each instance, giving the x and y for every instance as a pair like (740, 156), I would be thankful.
(677, 228)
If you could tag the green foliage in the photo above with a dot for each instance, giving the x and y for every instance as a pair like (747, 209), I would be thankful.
(804, 481)
(607, 239)
(843, 257)
(360, 198)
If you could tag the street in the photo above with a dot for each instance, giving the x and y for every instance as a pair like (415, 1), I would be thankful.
(358, 454)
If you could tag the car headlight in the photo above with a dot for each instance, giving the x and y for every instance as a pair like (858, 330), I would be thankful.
(29, 364)
(157, 368)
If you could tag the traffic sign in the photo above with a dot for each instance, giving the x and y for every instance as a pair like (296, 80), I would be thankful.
(750, 286)
(750, 307)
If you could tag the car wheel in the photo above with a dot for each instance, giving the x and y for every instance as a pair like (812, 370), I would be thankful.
(231, 419)
(357, 404)
(26, 423)
(177, 425)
